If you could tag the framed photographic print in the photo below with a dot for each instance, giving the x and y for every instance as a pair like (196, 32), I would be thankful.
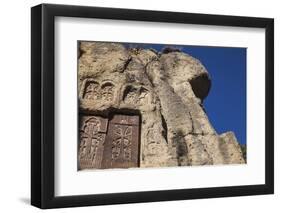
(139, 106)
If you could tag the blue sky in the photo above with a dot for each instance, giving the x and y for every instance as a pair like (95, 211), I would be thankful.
(226, 102)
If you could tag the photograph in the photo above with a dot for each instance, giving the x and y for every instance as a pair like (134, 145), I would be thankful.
(146, 105)
(137, 105)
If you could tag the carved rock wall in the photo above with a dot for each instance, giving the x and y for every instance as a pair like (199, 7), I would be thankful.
(166, 89)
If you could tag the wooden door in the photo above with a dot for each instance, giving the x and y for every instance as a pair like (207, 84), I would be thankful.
(121, 147)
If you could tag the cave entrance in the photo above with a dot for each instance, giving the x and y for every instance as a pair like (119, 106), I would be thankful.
(112, 142)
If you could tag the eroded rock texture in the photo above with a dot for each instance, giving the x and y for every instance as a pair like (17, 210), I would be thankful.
(166, 90)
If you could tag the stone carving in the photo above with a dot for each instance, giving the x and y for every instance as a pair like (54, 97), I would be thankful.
(91, 90)
(122, 142)
(136, 96)
(164, 91)
(91, 142)
(107, 91)
(130, 96)
(121, 148)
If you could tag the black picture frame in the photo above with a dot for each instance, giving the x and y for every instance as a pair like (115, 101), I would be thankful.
(43, 102)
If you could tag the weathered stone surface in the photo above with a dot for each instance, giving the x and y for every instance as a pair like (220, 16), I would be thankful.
(230, 148)
(166, 90)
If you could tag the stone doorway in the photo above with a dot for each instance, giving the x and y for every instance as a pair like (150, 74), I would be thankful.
(111, 142)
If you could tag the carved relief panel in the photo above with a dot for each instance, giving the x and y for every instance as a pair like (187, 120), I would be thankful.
(92, 136)
(93, 90)
(108, 144)
(107, 91)
(121, 148)
(136, 96)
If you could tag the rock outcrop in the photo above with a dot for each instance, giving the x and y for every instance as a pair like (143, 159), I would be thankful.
(167, 90)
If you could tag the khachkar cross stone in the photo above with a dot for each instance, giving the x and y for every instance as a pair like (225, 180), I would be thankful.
(91, 91)
(121, 147)
(91, 142)
(107, 92)
(121, 143)
(109, 144)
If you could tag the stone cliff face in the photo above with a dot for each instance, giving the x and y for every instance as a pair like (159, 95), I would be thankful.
(166, 89)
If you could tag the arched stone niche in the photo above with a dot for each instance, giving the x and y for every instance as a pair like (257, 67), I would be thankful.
(136, 95)
(95, 91)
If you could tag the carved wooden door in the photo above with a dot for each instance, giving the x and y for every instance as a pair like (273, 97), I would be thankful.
(121, 147)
